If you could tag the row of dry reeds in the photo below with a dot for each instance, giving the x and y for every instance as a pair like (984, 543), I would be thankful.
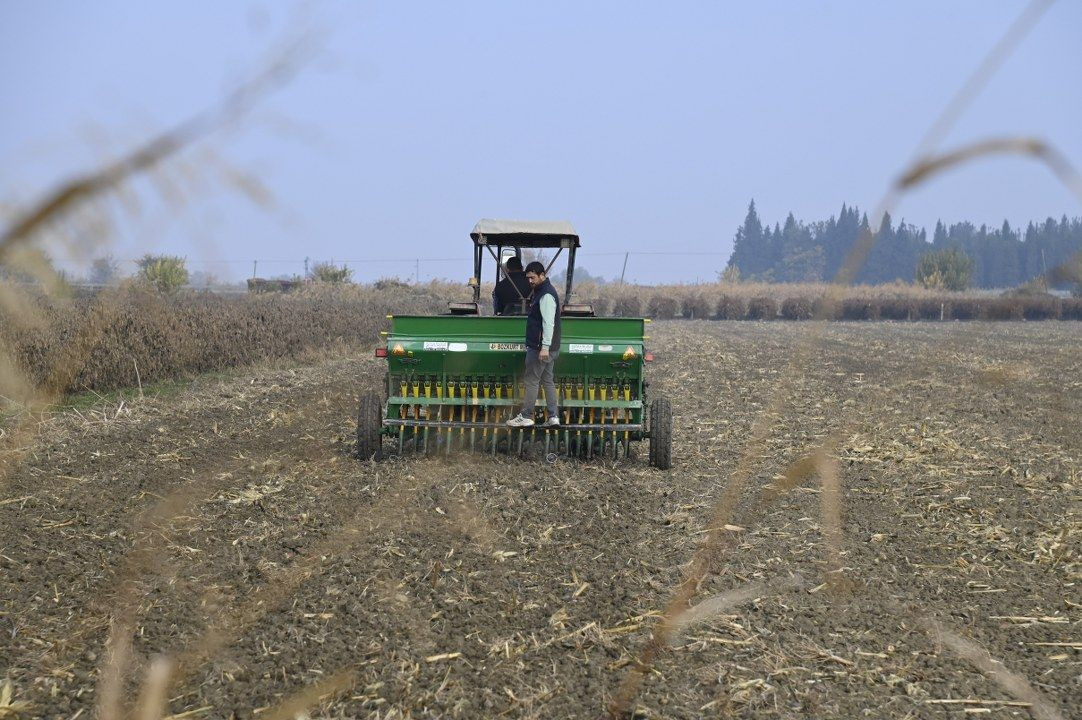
(757, 301)
(802, 301)
(727, 306)
(148, 337)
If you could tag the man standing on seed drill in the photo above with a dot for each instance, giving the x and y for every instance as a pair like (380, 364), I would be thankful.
(542, 347)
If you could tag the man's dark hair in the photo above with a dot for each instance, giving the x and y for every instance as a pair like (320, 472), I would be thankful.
(536, 268)
(513, 264)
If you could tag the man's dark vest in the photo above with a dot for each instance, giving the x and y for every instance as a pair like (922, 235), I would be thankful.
(534, 324)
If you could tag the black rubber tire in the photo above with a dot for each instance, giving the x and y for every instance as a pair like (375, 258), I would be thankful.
(369, 424)
(661, 434)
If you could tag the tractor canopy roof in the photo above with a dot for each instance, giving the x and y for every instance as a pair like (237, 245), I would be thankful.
(526, 233)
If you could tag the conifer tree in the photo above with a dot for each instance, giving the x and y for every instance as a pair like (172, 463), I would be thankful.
(748, 249)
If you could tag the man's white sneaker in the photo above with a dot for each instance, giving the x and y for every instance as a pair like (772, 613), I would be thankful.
(520, 421)
(553, 421)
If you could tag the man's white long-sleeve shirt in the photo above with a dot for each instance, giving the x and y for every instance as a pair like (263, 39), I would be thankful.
(547, 304)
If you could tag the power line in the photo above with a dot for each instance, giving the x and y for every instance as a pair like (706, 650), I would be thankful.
(422, 259)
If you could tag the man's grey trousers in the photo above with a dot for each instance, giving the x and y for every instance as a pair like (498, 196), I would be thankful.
(539, 374)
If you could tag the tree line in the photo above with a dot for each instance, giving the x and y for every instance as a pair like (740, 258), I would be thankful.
(814, 252)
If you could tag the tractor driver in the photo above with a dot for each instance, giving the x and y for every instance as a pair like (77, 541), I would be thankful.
(511, 295)
(542, 348)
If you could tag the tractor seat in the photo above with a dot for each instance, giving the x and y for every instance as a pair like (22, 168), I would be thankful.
(519, 307)
(462, 308)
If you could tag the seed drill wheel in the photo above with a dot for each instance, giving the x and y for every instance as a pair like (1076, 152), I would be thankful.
(661, 434)
(369, 423)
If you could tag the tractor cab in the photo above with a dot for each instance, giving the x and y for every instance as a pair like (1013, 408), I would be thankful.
(502, 240)
(454, 380)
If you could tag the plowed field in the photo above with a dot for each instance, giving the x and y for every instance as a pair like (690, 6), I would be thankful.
(230, 529)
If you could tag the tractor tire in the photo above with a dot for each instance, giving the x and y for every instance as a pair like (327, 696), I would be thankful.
(661, 434)
(369, 426)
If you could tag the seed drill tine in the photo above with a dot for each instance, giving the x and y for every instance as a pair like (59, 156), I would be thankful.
(496, 414)
(484, 431)
(615, 421)
(416, 384)
(579, 413)
(627, 419)
(592, 392)
(450, 439)
(439, 410)
(601, 433)
(473, 412)
(571, 416)
(462, 413)
(428, 414)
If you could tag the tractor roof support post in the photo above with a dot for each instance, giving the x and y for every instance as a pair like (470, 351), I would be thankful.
(477, 273)
(570, 272)
(552, 262)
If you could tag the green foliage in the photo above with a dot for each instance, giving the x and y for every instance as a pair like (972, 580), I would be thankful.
(165, 273)
(730, 275)
(945, 270)
(330, 273)
(1003, 256)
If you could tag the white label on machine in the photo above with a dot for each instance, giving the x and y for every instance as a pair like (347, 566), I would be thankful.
(604, 348)
(581, 348)
(434, 345)
(457, 347)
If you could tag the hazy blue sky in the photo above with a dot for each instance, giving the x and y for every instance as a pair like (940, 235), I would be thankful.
(648, 125)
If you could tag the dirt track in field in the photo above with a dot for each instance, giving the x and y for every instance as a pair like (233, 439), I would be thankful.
(232, 530)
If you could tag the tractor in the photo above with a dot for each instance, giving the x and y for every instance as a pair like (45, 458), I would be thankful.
(453, 380)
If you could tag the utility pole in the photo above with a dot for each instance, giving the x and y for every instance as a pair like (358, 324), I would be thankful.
(306, 268)
(255, 267)
(417, 271)
(622, 272)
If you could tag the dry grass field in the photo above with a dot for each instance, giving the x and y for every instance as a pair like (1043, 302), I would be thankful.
(122, 337)
(227, 527)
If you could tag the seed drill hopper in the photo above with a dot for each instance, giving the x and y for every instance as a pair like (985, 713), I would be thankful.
(454, 380)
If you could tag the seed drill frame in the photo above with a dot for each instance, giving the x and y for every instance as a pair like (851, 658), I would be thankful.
(454, 380)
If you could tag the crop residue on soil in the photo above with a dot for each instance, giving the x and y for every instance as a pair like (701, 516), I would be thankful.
(231, 530)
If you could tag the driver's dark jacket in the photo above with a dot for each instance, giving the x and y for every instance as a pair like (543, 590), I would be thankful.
(506, 300)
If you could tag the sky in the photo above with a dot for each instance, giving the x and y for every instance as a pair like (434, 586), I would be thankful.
(649, 126)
